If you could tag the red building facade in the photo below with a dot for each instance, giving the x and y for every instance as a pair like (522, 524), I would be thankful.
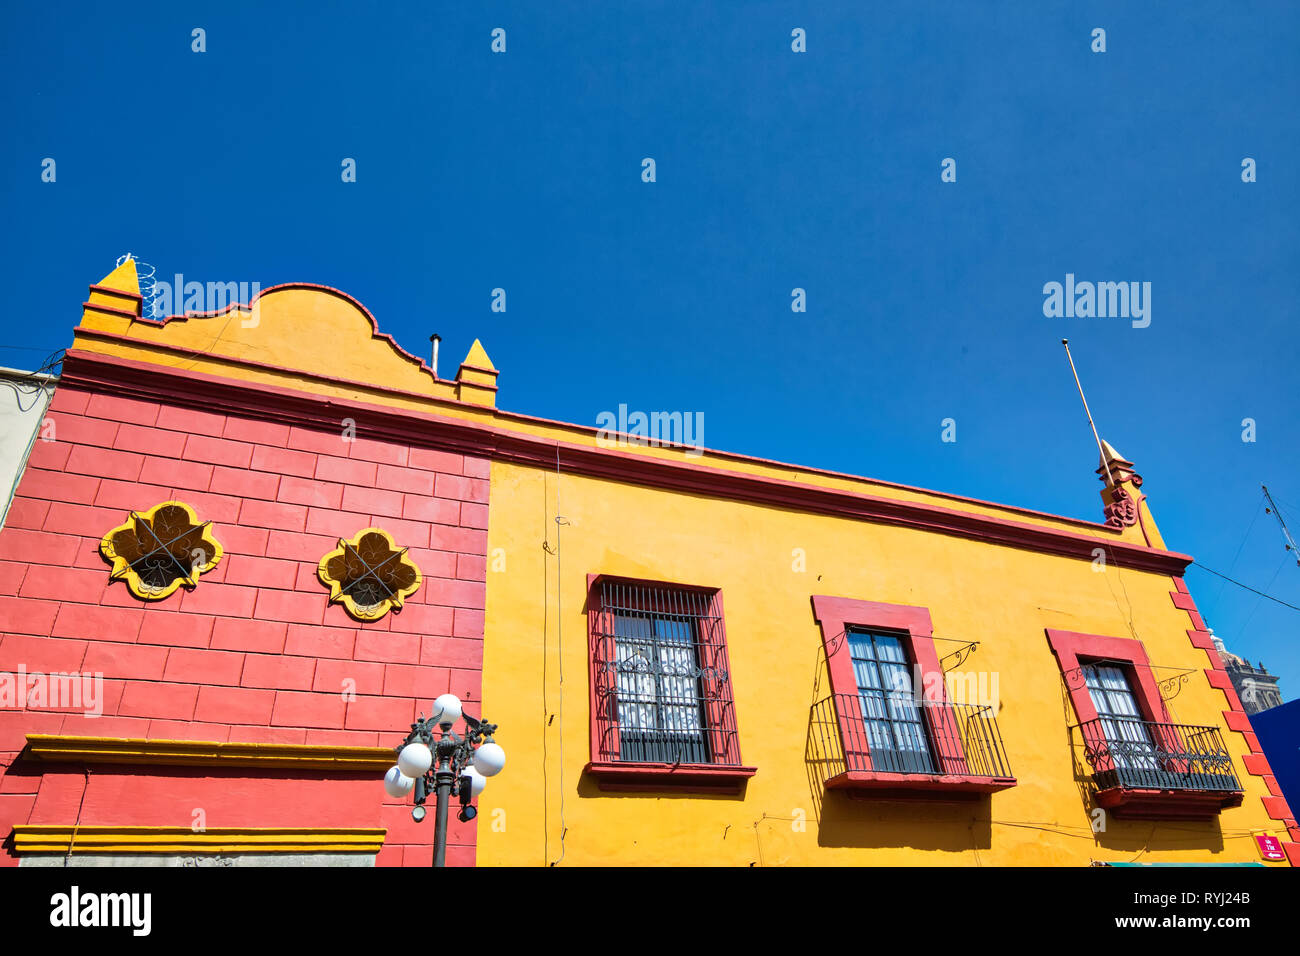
(264, 659)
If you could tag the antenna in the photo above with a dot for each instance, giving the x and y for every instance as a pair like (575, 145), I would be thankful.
(1100, 450)
(1272, 509)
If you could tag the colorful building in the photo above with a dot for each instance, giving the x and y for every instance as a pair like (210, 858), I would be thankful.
(694, 657)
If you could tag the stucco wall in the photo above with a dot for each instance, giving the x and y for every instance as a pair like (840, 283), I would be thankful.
(1002, 597)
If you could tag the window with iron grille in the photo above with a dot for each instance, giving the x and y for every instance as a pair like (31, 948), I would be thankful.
(660, 678)
(159, 550)
(369, 574)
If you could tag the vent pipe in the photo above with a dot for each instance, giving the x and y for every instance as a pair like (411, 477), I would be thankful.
(435, 338)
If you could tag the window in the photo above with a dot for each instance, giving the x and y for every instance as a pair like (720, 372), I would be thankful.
(895, 730)
(662, 708)
(660, 694)
(888, 724)
(1131, 746)
(369, 575)
(1137, 761)
(159, 550)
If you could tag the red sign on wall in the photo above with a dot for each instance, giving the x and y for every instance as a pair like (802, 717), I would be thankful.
(1270, 848)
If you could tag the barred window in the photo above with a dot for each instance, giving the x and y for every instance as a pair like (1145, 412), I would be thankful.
(660, 676)
(159, 550)
(369, 574)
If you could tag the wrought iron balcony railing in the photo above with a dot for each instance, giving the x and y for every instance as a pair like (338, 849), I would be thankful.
(1139, 754)
(954, 740)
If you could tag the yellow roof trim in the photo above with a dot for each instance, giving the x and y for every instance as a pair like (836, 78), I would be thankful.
(65, 838)
(206, 753)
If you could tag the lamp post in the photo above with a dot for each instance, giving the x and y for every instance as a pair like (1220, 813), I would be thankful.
(436, 759)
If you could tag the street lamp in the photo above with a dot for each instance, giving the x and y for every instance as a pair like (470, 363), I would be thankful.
(450, 765)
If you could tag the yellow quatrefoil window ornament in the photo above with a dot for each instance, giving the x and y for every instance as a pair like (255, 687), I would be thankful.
(159, 550)
(368, 574)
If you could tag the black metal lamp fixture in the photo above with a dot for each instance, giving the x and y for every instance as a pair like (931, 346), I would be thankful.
(435, 759)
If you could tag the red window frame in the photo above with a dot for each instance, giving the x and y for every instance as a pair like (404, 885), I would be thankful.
(1073, 650)
(836, 615)
(726, 770)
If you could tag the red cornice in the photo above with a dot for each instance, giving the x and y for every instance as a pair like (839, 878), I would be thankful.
(582, 429)
(111, 310)
(157, 383)
(509, 416)
(105, 290)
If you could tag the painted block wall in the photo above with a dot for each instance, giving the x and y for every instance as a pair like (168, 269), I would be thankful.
(254, 653)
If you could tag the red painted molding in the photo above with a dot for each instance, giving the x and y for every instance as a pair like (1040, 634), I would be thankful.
(119, 293)
(682, 778)
(111, 310)
(910, 784)
(515, 416)
(1134, 804)
(1256, 763)
(139, 379)
(587, 430)
(1073, 649)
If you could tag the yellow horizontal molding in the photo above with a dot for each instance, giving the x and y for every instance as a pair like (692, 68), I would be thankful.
(207, 753)
(62, 838)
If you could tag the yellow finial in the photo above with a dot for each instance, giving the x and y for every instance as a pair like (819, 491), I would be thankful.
(478, 357)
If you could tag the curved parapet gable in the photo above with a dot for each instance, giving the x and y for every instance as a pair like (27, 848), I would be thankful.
(288, 334)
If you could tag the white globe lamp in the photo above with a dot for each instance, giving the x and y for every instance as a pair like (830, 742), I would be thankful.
(415, 760)
(477, 780)
(446, 709)
(489, 759)
(397, 784)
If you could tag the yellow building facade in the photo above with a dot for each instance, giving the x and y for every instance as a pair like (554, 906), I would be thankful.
(769, 560)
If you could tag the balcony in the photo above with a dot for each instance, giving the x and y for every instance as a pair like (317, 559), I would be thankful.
(1151, 770)
(962, 755)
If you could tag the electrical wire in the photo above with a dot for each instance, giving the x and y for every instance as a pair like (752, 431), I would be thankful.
(1197, 564)
(1259, 507)
(560, 521)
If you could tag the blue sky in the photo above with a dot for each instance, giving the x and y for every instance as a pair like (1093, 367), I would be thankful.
(775, 170)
